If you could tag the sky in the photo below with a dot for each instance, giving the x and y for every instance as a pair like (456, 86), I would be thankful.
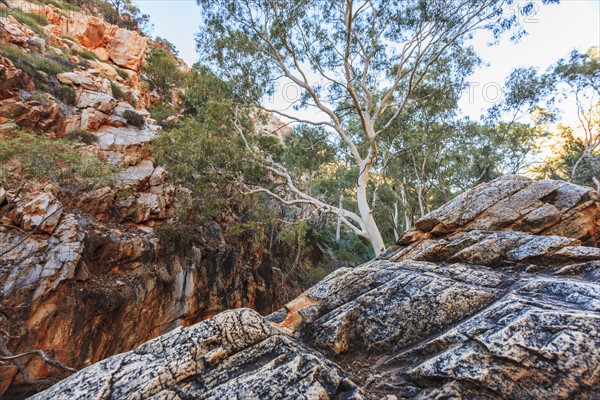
(554, 30)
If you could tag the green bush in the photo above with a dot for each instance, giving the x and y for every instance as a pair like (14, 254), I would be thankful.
(39, 19)
(87, 54)
(65, 93)
(160, 112)
(122, 73)
(40, 98)
(69, 37)
(316, 275)
(39, 68)
(81, 137)
(34, 21)
(163, 74)
(117, 91)
(27, 156)
(62, 5)
(33, 64)
(176, 237)
(133, 118)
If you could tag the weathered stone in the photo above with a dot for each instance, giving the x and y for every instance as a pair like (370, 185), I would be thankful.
(92, 119)
(516, 203)
(78, 78)
(89, 32)
(102, 54)
(127, 49)
(91, 290)
(32, 114)
(158, 176)
(12, 79)
(92, 99)
(158, 204)
(512, 335)
(96, 202)
(60, 258)
(104, 69)
(13, 31)
(234, 355)
(136, 174)
(42, 213)
(116, 121)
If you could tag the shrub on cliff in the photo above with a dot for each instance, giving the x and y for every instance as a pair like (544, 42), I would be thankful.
(133, 118)
(88, 55)
(27, 156)
(163, 73)
(40, 68)
(117, 92)
(81, 137)
(34, 21)
(161, 112)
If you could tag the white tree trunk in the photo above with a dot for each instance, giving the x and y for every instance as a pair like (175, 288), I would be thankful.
(597, 183)
(396, 234)
(372, 231)
(407, 218)
(420, 198)
(338, 229)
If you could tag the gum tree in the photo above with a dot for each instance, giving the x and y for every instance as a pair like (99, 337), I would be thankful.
(351, 60)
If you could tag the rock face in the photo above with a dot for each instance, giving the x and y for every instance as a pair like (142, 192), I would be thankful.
(458, 309)
(124, 48)
(234, 355)
(518, 204)
(85, 290)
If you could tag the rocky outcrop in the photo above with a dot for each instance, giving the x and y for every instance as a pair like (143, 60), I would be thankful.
(234, 355)
(124, 48)
(516, 203)
(456, 310)
(84, 290)
(81, 94)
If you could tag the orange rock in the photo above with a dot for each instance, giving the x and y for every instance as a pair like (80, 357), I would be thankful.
(127, 49)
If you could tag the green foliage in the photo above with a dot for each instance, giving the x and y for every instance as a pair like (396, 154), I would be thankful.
(316, 275)
(69, 37)
(168, 46)
(163, 73)
(307, 150)
(161, 111)
(33, 64)
(81, 137)
(117, 91)
(203, 160)
(207, 98)
(177, 237)
(63, 5)
(65, 93)
(134, 118)
(39, 68)
(34, 21)
(577, 159)
(381, 76)
(124, 13)
(27, 156)
(122, 73)
(87, 54)
(580, 70)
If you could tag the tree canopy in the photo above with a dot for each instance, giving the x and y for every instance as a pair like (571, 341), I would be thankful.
(358, 65)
